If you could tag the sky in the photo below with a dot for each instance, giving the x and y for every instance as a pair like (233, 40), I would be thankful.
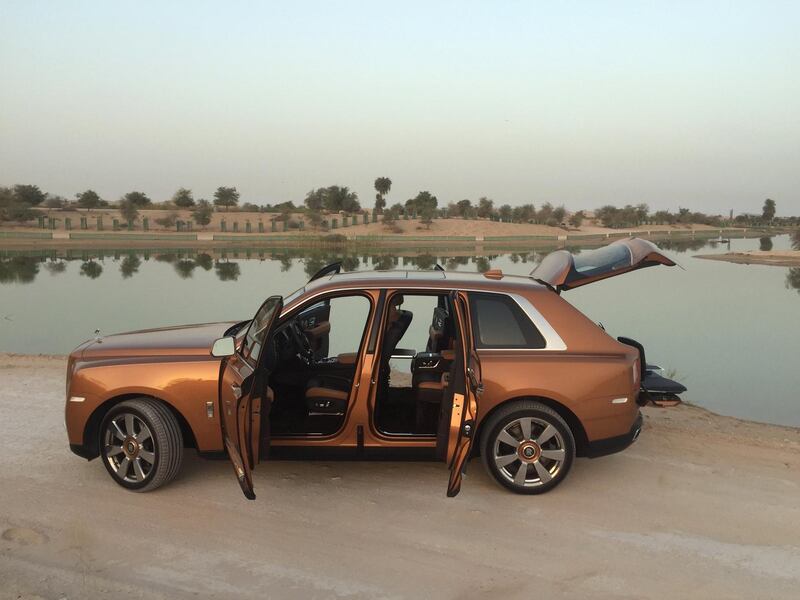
(676, 104)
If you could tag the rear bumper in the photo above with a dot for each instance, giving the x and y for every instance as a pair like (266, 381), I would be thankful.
(615, 444)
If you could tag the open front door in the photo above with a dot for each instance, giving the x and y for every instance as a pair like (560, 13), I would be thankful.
(243, 389)
(457, 428)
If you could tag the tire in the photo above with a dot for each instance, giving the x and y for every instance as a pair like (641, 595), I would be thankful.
(141, 444)
(527, 465)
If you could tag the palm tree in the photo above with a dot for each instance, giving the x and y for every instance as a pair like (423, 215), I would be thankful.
(382, 185)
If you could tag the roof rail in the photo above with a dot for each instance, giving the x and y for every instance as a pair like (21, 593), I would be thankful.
(330, 269)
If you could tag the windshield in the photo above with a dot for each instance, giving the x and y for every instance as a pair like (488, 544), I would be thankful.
(257, 333)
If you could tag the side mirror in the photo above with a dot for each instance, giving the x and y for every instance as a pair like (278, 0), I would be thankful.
(225, 346)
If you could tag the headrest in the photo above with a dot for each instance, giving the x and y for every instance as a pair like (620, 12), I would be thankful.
(394, 307)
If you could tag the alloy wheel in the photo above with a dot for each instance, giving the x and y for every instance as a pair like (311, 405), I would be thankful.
(129, 447)
(529, 452)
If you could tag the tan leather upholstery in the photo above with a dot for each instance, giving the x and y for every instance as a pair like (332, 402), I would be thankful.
(348, 358)
(448, 354)
(322, 392)
(430, 385)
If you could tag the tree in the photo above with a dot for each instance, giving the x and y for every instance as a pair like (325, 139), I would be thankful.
(768, 211)
(55, 201)
(128, 209)
(29, 194)
(545, 213)
(202, 213)
(558, 215)
(88, 199)
(226, 196)
(485, 207)
(642, 211)
(341, 198)
(382, 185)
(315, 199)
(426, 216)
(523, 214)
(183, 198)
(390, 218)
(464, 208)
(576, 220)
(137, 199)
(422, 201)
(505, 212)
(314, 218)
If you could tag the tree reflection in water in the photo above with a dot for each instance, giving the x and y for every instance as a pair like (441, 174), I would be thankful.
(23, 267)
(56, 267)
(91, 269)
(793, 279)
(227, 271)
(130, 265)
(19, 269)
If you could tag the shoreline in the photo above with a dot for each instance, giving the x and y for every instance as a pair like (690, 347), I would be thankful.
(780, 258)
(22, 240)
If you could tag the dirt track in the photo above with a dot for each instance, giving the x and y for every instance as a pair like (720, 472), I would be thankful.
(700, 507)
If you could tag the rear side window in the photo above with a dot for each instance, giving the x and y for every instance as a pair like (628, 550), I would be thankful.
(499, 322)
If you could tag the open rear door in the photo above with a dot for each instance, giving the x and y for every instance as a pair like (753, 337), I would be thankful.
(243, 385)
(563, 271)
(458, 428)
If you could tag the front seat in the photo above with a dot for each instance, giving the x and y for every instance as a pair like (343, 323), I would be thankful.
(397, 323)
(327, 396)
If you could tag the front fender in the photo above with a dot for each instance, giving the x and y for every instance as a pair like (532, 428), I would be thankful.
(187, 386)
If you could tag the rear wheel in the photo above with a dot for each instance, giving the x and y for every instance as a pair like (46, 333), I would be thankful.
(527, 447)
(141, 444)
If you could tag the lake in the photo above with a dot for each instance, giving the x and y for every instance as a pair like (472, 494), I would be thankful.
(730, 332)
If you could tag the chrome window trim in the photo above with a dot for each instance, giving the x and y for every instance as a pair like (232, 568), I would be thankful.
(553, 341)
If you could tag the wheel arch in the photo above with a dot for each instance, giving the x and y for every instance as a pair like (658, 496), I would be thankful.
(572, 420)
(91, 429)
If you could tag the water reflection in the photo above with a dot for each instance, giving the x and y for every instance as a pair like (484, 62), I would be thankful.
(91, 269)
(793, 279)
(23, 266)
(130, 266)
(19, 269)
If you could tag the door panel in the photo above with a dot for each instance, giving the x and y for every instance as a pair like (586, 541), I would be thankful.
(465, 406)
(243, 384)
(460, 406)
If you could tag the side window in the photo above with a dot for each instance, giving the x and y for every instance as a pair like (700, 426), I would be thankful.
(499, 322)
(347, 317)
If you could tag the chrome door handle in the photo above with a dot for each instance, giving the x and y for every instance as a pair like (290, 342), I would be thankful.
(237, 391)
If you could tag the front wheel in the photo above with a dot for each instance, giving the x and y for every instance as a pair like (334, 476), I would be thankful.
(141, 444)
(527, 447)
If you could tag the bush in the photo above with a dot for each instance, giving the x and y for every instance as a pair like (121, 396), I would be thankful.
(168, 221)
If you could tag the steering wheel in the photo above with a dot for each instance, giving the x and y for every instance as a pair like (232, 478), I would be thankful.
(304, 350)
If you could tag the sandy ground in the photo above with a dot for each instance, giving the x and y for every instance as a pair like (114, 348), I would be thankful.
(701, 506)
(778, 258)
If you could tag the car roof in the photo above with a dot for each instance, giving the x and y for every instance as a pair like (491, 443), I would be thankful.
(493, 281)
